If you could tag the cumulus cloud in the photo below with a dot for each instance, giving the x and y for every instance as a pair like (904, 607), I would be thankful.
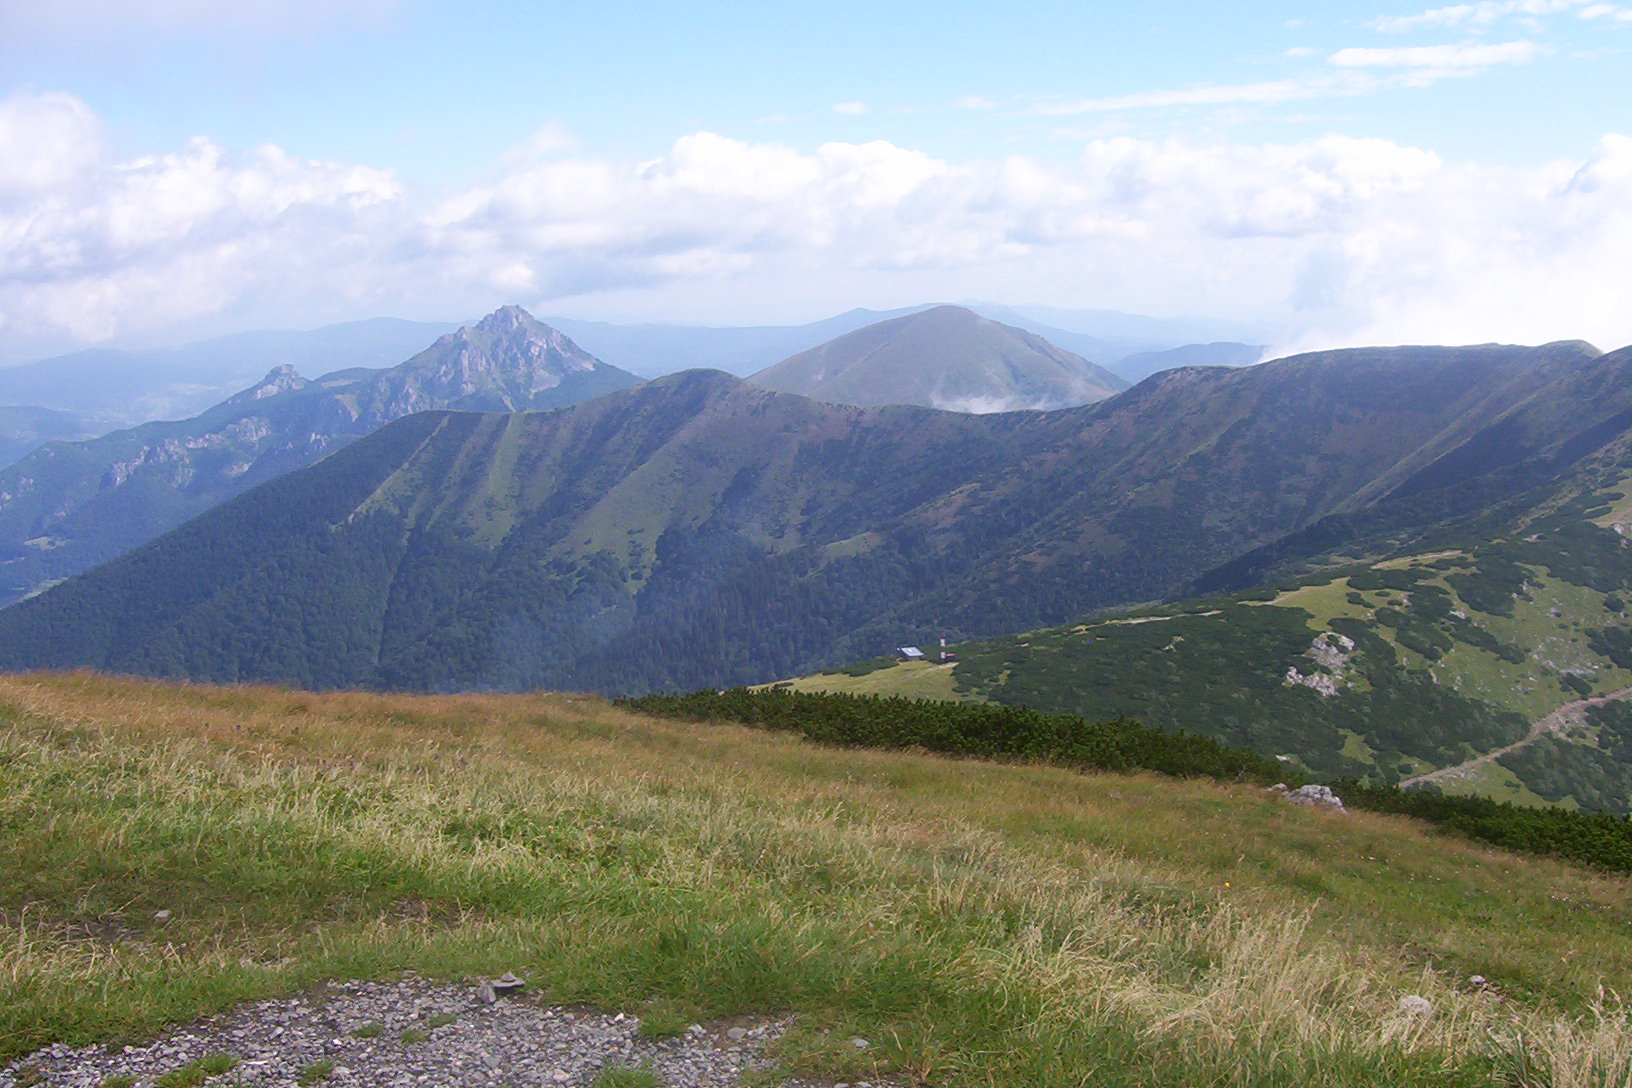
(1338, 239)
(45, 141)
(90, 246)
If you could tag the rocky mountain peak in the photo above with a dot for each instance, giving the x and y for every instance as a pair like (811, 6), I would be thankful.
(510, 319)
(279, 380)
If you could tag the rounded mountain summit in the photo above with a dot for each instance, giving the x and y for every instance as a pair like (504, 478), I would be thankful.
(947, 357)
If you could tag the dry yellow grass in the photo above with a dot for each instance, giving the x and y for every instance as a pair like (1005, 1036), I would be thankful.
(1000, 924)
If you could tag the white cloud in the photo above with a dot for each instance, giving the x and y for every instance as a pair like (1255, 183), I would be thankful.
(1344, 240)
(974, 102)
(45, 140)
(550, 139)
(1279, 90)
(853, 109)
(1349, 72)
(1442, 57)
(1478, 15)
(1611, 12)
(91, 247)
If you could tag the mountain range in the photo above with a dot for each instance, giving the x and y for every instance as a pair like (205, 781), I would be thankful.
(109, 388)
(944, 357)
(698, 530)
(68, 506)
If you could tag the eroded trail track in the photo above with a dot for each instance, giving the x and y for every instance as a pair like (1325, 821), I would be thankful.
(1556, 722)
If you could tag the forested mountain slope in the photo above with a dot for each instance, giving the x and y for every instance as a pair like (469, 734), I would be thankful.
(68, 506)
(1495, 661)
(698, 530)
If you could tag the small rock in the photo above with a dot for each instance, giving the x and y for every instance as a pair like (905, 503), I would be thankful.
(1414, 1007)
(697, 1029)
(560, 1076)
(1478, 982)
(1316, 796)
(161, 916)
(737, 1035)
(507, 983)
(486, 994)
(859, 1043)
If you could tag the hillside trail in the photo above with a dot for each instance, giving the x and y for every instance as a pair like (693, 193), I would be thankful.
(1552, 723)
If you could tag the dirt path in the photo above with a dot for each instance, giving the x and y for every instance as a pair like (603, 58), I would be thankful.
(1552, 723)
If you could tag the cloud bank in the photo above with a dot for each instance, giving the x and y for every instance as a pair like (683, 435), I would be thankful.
(1335, 240)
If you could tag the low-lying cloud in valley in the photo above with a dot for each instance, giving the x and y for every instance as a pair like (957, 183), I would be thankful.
(1332, 240)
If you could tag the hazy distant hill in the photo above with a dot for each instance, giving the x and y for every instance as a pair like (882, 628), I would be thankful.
(650, 350)
(946, 357)
(69, 506)
(1141, 365)
(120, 388)
(26, 427)
(699, 530)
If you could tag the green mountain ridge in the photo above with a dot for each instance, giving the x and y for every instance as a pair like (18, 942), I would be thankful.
(700, 531)
(945, 357)
(68, 506)
(1495, 664)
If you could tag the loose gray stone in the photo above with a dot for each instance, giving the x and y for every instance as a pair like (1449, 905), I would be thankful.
(1315, 796)
(516, 1044)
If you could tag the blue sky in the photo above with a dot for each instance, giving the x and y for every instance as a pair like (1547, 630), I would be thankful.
(1337, 173)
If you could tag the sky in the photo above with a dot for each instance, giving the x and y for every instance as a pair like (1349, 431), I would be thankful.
(1330, 174)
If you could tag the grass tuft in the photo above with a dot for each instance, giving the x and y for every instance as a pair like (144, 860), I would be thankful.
(663, 1019)
(315, 1073)
(195, 1073)
(627, 1076)
(369, 1031)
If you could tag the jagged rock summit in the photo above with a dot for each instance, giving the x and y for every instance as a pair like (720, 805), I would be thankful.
(280, 379)
(509, 361)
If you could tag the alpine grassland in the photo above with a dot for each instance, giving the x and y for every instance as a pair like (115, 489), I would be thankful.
(981, 923)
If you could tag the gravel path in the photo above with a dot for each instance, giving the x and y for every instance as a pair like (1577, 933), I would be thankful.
(415, 1034)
